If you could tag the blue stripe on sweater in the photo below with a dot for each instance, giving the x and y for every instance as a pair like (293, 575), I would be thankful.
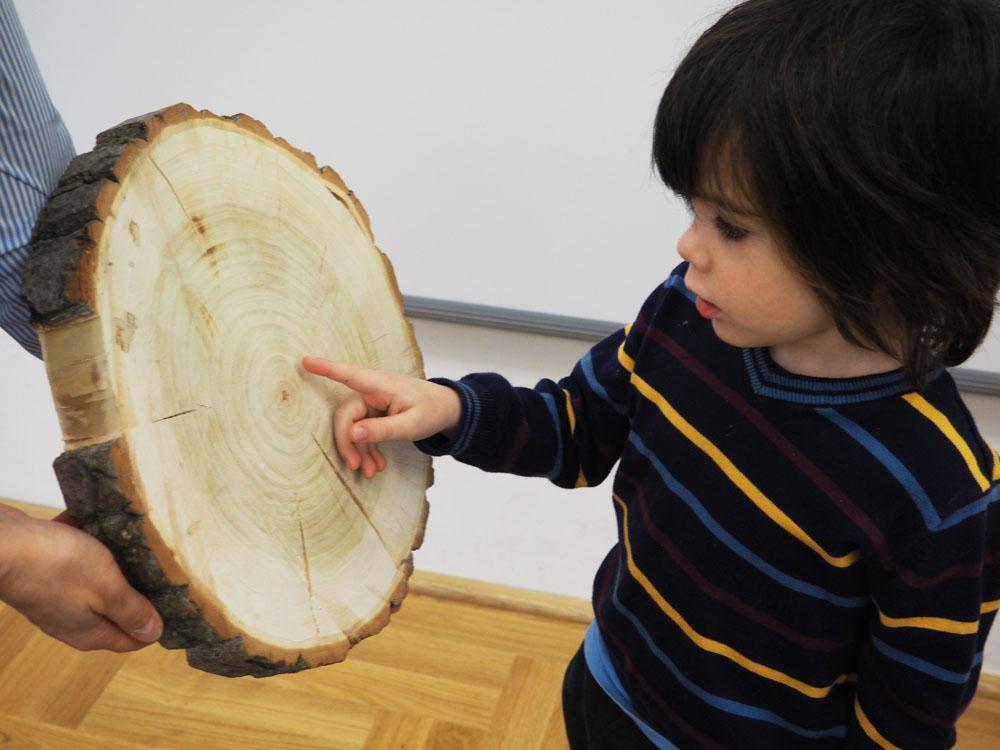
(557, 428)
(587, 366)
(946, 675)
(727, 705)
(595, 653)
(928, 512)
(676, 281)
(734, 544)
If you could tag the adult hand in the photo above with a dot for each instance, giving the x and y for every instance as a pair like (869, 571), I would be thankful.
(69, 585)
(386, 406)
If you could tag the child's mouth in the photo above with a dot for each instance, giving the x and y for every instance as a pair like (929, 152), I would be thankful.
(705, 308)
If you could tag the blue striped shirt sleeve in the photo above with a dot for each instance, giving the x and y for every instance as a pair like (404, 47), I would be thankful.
(35, 148)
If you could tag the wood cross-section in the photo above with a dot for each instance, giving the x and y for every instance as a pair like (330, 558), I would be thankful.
(179, 273)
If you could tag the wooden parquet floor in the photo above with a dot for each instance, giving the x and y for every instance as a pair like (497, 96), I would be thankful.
(443, 674)
(461, 665)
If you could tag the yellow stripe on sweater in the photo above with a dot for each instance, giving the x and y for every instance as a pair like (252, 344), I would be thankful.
(570, 412)
(873, 734)
(709, 644)
(581, 480)
(736, 476)
(996, 466)
(626, 361)
(939, 624)
(923, 406)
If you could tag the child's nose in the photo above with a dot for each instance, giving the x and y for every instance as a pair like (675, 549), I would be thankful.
(691, 250)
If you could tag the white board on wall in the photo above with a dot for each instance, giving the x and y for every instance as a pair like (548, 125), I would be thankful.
(502, 150)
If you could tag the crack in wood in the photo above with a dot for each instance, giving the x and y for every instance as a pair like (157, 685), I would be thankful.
(169, 185)
(309, 582)
(172, 416)
(354, 497)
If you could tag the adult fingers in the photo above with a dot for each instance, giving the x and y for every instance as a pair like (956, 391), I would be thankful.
(102, 635)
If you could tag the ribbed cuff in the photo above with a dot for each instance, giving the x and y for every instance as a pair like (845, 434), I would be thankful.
(440, 444)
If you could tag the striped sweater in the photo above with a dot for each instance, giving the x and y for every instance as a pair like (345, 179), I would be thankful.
(801, 562)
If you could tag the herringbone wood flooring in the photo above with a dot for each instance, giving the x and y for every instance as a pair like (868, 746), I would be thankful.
(462, 665)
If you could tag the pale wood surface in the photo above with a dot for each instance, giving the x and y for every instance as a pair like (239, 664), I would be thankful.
(207, 257)
(447, 673)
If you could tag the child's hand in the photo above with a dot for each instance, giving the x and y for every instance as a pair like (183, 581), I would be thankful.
(385, 407)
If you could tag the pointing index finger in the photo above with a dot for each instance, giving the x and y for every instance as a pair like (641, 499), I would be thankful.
(355, 378)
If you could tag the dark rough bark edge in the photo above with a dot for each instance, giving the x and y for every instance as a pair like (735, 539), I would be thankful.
(93, 496)
(87, 476)
(59, 235)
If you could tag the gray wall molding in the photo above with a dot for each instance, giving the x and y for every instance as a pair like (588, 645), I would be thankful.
(563, 326)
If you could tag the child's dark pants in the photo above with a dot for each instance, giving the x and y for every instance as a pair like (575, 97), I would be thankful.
(593, 720)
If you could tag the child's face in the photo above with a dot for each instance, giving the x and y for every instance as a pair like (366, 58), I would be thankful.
(747, 288)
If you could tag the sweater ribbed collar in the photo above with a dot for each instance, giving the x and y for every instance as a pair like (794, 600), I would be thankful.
(771, 380)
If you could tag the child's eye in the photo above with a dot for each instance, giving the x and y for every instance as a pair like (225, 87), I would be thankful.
(728, 231)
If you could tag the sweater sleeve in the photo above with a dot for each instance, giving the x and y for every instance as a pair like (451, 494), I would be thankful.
(932, 608)
(34, 151)
(571, 431)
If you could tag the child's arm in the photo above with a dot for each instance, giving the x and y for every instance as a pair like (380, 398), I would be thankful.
(932, 609)
(571, 431)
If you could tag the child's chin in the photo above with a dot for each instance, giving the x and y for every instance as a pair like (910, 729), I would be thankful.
(734, 336)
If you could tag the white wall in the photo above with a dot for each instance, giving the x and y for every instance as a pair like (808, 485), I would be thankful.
(479, 136)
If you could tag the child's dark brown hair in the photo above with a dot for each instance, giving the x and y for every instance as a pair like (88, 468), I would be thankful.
(867, 134)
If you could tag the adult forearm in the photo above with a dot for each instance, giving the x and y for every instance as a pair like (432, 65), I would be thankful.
(36, 149)
(10, 543)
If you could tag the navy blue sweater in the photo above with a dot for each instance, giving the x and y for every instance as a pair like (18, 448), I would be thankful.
(801, 562)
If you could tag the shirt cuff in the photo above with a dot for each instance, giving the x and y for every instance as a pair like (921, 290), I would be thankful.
(442, 445)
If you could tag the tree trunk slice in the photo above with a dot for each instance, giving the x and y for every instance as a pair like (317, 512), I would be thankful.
(179, 273)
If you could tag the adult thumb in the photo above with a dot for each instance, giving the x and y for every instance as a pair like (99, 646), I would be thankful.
(132, 612)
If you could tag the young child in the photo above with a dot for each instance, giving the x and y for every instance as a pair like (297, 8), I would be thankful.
(809, 525)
